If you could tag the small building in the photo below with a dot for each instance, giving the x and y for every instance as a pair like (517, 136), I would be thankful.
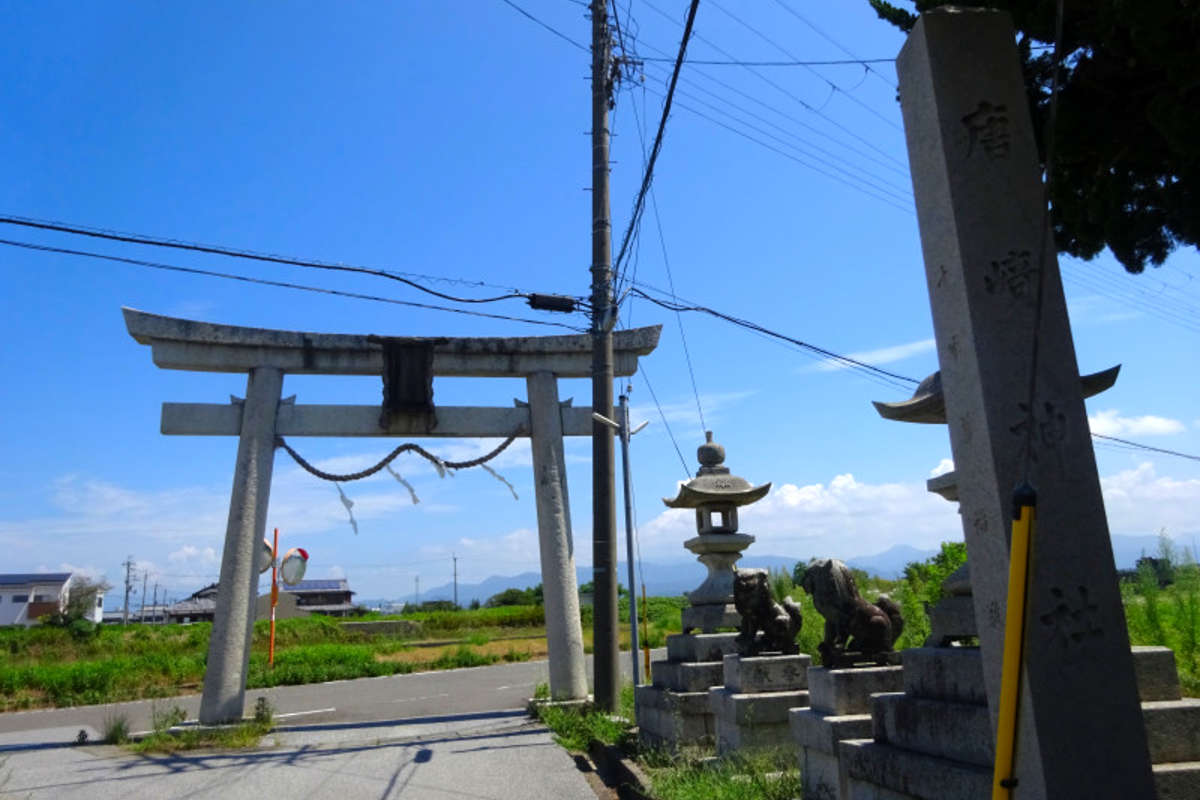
(331, 597)
(200, 606)
(26, 596)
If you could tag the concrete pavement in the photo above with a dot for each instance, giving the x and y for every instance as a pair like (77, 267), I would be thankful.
(489, 755)
(453, 733)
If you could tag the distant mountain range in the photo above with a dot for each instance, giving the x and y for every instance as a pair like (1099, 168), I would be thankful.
(664, 579)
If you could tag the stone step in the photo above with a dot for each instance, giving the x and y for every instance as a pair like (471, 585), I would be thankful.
(700, 646)
(848, 691)
(1177, 781)
(962, 731)
(670, 720)
(686, 676)
(812, 729)
(657, 697)
(955, 674)
(1157, 678)
(778, 673)
(760, 708)
(1173, 730)
(958, 731)
(869, 765)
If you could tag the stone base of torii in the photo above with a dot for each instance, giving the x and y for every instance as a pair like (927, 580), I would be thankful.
(408, 366)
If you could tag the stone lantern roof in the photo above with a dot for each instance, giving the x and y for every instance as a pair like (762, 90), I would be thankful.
(713, 484)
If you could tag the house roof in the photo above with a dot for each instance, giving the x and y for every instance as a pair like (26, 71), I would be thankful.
(26, 578)
(336, 585)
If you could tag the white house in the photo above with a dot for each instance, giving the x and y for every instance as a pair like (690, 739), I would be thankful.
(25, 596)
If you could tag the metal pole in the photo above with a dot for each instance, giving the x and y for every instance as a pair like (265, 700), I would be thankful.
(633, 606)
(142, 613)
(604, 512)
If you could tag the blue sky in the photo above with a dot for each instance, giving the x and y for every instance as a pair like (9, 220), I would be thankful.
(448, 139)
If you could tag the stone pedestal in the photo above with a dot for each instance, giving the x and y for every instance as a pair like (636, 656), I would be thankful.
(673, 711)
(750, 710)
(934, 740)
(840, 708)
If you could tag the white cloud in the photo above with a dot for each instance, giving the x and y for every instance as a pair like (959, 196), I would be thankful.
(844, 517)
(944, 466)
(685, 410)
(1111, 423)
(1141, 501)
(882, 355)
(89, 571)
(190, 554)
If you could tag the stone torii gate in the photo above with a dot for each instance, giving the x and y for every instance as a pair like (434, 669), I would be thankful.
(408, 366)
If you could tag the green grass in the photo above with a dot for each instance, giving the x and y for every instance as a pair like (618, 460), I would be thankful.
(575, 726)
(246, 735)
(1168, 616)
(769, 776)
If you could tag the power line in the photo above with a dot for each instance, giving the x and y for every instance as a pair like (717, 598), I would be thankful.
(746, 63)
(548, 27)
(874, 194)
(280, 284)
(662, 242)
(788, 53)
(828, 354)
(878, 184)
(648, 174)
(1139, 446)
(176, 244)
(854, 59)
(642, 371)
(888, 162)
(806, 105)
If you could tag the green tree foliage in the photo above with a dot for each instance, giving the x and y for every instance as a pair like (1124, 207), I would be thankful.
(1127, 140)
(921, 588)
(517, 597)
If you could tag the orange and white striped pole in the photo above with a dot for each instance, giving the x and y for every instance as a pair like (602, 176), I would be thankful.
(274, 597)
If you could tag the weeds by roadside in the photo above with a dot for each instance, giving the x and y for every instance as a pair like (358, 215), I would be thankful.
(770, 776)
(169, 737)
(763, 776)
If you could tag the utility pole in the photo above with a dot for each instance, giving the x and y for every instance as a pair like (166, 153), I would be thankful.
(154, 605)
(454, 558)
(142, 613)
(604, 512)
(128, 585)
(417, 592)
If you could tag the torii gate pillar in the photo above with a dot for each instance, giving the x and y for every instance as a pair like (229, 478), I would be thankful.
(266, 355)
(233, 620)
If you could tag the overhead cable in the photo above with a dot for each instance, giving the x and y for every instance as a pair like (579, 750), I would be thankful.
(854, 60)
(828, 354)
(280, 284)
(648, 173)
(803, 103)
(550, 28)
(789, 54)
(175, 244)
(825, 162)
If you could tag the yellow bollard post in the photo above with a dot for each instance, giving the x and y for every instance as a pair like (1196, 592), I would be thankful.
(1003, 775)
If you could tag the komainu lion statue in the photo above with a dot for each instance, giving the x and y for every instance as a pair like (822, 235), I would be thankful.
(754, 602)
(852, 625)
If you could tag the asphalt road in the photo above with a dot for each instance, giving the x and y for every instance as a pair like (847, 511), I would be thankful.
(444, 735)
(444, 693)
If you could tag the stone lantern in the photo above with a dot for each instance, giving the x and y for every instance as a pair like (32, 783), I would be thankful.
(716, 495)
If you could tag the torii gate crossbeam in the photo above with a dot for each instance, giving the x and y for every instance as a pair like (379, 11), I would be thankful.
(267, 355)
